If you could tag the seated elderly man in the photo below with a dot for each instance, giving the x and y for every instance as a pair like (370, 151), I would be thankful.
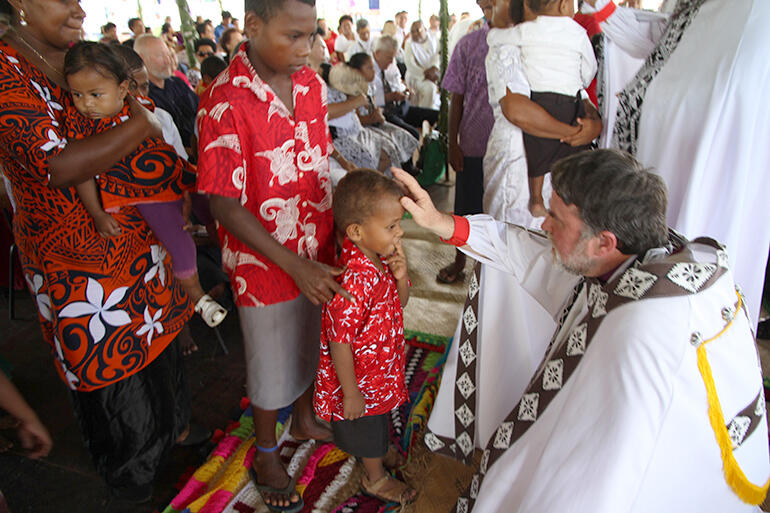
(422, 67)
(170, 93)
(389, 92)
(646, 396)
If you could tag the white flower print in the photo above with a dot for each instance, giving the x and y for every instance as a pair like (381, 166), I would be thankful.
(229, 141)
(255, 84)
(218, 110)
(54, 141)
(43, 300)
(45, 93)
(285, 213)
(151, 324)
(276, 107)
(309, 241)
(281, 162)
(101, 312)
(310, 158)
(158, 254)
(238, 177)
(68, 374)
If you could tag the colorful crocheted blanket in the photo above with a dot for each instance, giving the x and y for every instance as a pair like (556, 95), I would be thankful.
(327, 478)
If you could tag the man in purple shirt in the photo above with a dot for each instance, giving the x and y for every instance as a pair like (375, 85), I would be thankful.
(470, 122)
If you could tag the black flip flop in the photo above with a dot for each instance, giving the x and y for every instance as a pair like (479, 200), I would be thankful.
(290, 489)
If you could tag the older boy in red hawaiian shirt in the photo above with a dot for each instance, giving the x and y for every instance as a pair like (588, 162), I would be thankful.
(361, 373)
(263, 159)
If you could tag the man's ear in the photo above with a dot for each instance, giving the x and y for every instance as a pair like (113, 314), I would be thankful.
(606, 243)
(353, 231)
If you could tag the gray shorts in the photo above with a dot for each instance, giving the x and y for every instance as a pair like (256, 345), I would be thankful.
(282, 346)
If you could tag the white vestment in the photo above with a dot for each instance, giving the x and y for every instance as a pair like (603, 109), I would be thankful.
(418, 58)
(506, 312)
(629, 431)
(705, 126)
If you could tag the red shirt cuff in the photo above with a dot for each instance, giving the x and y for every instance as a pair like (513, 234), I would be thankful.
(605, 13)
(462, 230)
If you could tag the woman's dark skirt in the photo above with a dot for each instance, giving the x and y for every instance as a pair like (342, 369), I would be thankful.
(130, 426)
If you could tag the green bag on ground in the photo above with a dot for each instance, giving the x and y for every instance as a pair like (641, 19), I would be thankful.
(433, 160)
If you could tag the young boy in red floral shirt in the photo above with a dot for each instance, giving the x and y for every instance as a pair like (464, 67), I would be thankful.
(263, 160)
(361, 371)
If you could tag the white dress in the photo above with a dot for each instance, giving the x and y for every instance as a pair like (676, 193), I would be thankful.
(506, 190)
(705, 127)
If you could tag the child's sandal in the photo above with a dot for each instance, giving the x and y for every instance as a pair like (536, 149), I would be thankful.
(210, 311)
(389, 489)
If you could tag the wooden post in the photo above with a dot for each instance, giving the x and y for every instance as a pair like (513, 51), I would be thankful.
(188, 30)
(443, 117)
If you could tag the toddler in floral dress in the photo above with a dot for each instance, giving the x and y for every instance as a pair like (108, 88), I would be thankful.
(361, 370)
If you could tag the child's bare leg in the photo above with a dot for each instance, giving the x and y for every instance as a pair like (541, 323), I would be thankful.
(536, 203)
(192, 286)
(380, 484)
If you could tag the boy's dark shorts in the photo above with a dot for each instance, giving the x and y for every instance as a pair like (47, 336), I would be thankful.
(364, 437)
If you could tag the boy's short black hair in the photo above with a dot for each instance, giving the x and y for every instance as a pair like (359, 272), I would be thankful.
(358, 60)
(357, 195)
(204, 41)
(345, 17)
(226, 14)
(212, 66)
(200, 28)
(266, 9)
(108, 26)
(131, 23)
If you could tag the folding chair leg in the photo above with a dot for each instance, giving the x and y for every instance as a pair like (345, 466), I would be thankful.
(11, 276)
(221, 340)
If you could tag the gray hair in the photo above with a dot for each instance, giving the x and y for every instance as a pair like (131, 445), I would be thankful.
(361, 24)
(386, 44)
(614, 192)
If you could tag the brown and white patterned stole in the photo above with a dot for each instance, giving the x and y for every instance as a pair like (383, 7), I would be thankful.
(466, 378)
(678, 275)
(630, 99)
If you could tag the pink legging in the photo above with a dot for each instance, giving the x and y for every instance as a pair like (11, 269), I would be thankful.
(166, 222)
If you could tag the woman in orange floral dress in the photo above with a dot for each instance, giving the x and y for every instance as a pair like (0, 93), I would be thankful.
(109, 307)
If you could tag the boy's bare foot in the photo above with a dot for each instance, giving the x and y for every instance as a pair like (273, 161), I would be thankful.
(537, 210)
(272, 480)
(307, 429)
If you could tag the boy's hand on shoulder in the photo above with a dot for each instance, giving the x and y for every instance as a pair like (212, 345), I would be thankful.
(353, 405)
(397, 263)
(316, 281)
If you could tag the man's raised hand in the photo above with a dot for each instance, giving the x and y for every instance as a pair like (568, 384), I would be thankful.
(418, 203)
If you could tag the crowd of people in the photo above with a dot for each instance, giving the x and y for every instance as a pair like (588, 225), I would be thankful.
(602, 360)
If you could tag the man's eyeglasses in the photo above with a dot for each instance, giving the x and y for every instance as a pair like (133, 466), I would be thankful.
(205, 54)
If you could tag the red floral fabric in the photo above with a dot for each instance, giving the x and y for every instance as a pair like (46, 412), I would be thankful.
(107, 307)
(252, 148)
(153, 173)
(374, 328)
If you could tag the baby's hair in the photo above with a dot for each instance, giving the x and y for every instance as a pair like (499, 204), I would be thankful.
(266, 9)
(102, 58)
(358, 194)
(212, 66)
(537, 6)
(358, 60)
(132, 59)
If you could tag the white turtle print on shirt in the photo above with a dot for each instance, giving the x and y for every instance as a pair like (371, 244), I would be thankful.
(285, 213)
(281, 162)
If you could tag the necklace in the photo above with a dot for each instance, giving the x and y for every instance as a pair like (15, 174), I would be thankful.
(59, 75)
